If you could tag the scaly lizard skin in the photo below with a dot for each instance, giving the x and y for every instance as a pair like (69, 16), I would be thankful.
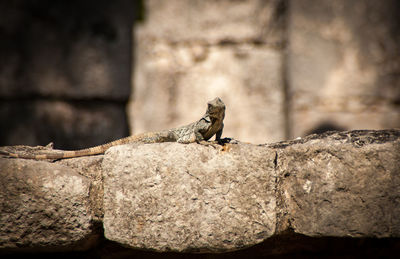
(209, 125)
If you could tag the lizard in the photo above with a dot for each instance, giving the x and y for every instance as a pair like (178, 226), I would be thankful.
(210, 124)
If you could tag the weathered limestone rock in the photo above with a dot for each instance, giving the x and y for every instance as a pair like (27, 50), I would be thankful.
(343, 65)
(90, 167)
(189, 198)
(341, 184)
(43, 206)
(334, 192)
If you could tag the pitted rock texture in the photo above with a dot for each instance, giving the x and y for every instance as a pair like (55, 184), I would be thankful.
(341, 184)
(90, 167)
(43, 206)
(336, 192)
(189, 198)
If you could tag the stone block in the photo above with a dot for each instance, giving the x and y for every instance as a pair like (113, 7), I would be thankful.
(189, 198)
(43, 207)
(341, 185)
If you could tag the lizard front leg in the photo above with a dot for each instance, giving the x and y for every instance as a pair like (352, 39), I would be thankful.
(200, 140)
(219, 134)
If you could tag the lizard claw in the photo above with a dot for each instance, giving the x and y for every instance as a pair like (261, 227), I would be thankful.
(224, 141)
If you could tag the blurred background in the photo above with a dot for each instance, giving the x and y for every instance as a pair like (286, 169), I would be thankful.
(82, 73)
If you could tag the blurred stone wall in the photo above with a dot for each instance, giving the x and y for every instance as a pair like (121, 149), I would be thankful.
(343, 65)
(284, 68)
(65, 71)
(188, 52)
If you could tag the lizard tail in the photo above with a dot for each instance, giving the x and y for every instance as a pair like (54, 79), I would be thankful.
(144, 138)
(52, 155)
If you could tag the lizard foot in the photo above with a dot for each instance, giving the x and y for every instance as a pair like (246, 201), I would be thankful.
(224, 141)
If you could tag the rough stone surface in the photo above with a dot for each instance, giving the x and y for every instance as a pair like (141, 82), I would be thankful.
(341, 184)
(343, 65)
(189, 198)
(90, 167)
(332, 194)
(43, 206)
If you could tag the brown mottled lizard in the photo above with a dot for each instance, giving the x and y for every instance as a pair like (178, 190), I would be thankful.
(209, 125)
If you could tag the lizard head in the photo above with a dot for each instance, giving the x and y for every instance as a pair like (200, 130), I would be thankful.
(216, 108)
